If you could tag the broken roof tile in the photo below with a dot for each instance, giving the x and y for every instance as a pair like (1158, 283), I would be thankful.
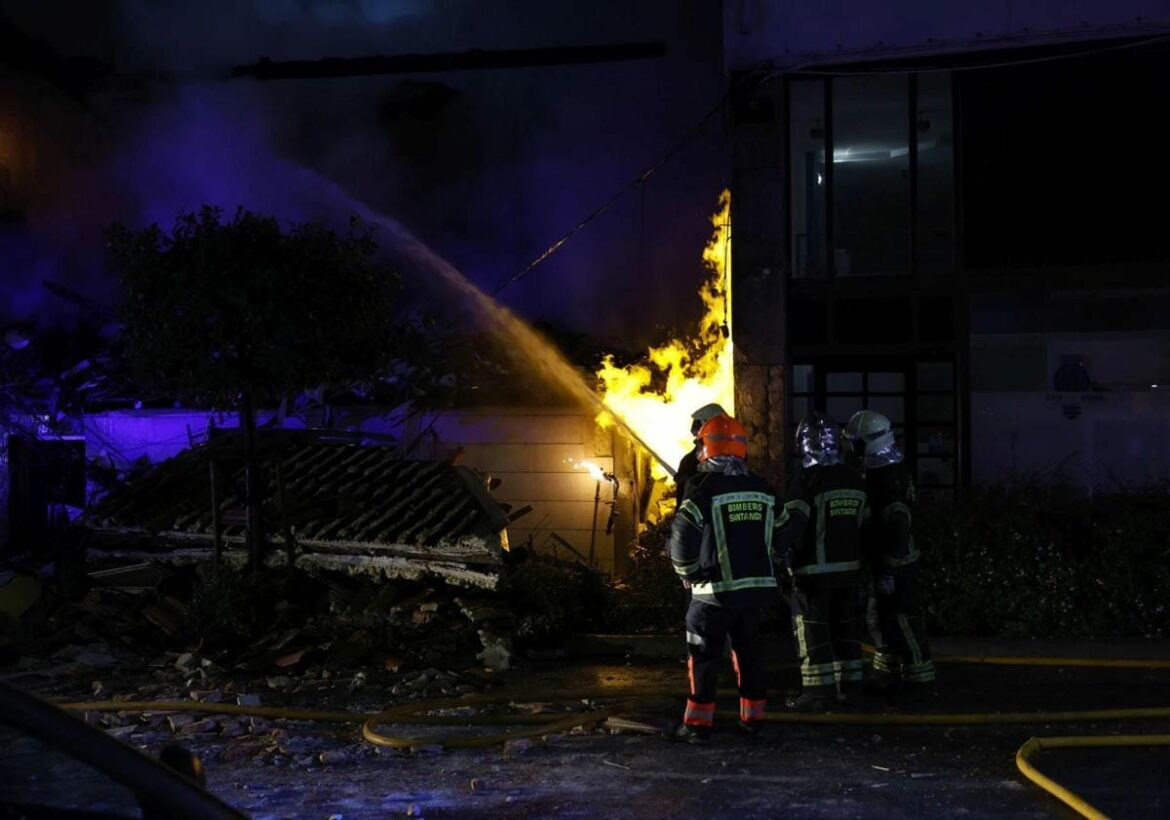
(341, 497)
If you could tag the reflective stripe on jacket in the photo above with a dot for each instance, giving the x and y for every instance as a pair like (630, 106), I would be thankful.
(721, 540)
(822, 537)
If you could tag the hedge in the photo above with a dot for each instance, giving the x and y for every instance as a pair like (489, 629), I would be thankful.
(1040, 560)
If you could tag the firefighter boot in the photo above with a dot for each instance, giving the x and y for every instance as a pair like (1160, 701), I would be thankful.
(887, 674)
(851, 694)
(751, 715)
(695, 735)
(813, 699)
(751, 728)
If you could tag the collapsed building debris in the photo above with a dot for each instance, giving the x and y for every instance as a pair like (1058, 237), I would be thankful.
(332, 503)
(400, 565)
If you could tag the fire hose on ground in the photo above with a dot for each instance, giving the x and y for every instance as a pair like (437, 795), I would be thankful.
(536, 725)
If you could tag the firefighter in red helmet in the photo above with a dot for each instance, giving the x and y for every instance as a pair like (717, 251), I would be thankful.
(688, 468)
(721, 546)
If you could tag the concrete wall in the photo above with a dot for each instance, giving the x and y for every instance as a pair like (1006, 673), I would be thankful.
(1099, 441)
(1115, 435)
(533, 453)
(789, 33)
(759, 273)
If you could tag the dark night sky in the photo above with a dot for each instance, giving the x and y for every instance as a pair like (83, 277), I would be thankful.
(488, 167)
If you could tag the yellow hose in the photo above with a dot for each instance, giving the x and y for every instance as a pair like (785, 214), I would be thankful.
(1089, 663)
(410, 713)
(1069, 797)
(1013, 660)
(546, 724)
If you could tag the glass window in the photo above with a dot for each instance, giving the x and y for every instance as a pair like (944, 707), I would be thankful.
(843, 382)
(936, 175)
(886, 383)
(806, 107)
(923, 421)
(936, 376)
(842, 407)
(892, 407)
(801, 407)
(871, 175)
(803, 378)
(936, 440)
(936, 408)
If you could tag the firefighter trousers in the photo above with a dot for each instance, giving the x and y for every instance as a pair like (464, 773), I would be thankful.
(902, 650)
(708, 628)
(828, 637)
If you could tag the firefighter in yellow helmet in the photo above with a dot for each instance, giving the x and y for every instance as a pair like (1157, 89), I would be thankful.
(721, 547)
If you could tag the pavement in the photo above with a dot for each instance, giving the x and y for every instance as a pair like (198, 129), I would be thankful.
(839, 771)
(667, 646)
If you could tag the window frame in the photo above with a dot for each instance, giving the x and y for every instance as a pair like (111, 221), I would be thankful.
(908, 430)
(914, 269)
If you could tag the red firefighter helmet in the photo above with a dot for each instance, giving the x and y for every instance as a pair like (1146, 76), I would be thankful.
(722, 436)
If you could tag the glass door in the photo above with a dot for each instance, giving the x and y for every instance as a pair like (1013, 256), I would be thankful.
(918, 397)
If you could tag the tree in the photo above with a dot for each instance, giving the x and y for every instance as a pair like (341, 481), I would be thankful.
(237, 313)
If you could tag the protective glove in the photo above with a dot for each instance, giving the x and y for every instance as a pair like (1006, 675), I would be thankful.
(884, 584)
(784, 582)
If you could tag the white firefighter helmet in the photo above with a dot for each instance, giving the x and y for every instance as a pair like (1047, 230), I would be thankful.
(704, 414)
(872, 436)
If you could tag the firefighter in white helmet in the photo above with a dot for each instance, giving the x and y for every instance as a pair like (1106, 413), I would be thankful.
(903, 653)
(688, 468)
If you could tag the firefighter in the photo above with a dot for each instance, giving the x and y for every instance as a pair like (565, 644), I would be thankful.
(820, 546)
(903, 653)
(721, 547)
(689, 466)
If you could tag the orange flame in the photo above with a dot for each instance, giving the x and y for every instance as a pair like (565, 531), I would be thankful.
(691, 372)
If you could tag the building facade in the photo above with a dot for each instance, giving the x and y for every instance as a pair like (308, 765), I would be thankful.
(942, 214)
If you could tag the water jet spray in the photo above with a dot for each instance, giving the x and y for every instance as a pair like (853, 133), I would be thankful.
(543, 355)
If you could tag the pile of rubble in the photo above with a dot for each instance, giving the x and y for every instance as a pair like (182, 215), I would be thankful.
(649, 598)
(410, 638)
(326, 642)
(320, 624)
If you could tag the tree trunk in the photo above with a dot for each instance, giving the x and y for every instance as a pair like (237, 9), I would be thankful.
(252, 484)
(216, 528)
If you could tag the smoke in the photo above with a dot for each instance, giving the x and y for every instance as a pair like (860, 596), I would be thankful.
(486, 167)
